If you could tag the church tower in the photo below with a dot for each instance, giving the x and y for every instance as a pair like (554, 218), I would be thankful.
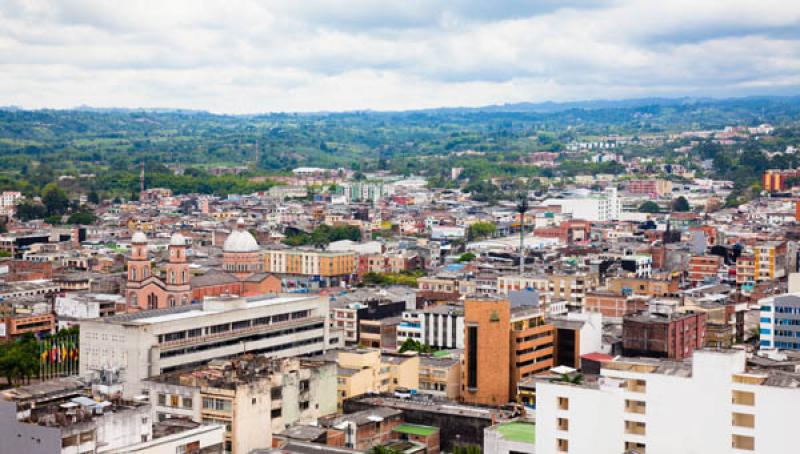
(177, 278)
(138, 268)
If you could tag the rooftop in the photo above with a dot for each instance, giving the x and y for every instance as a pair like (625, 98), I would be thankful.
(519, 431)
(414, 429)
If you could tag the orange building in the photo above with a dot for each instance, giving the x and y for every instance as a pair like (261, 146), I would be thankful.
(775, 180)
(703, 267)
(18, 324)
(502, 344)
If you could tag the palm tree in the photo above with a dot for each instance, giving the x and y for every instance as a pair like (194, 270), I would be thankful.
(522, 208)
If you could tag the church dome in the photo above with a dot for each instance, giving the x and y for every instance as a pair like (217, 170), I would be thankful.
(240, 240)
(139, 237)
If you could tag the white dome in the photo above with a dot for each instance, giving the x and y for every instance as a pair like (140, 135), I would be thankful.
(177, 240)
(240, 241)
(139, 237)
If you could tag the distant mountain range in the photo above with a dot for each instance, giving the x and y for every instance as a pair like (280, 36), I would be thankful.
(521, 107)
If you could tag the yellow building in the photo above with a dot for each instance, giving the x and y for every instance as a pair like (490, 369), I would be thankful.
(309, 262)
(362, 371)
(770, 260)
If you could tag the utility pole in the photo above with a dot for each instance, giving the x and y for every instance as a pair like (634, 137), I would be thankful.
(522, 208)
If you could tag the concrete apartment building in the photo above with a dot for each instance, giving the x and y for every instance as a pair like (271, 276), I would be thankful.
(651, 188)
(704, 268)
(503, 344)
(363, 371)
(721, 407)
(770, 260)
(440, 326)
(662, 332)
(571, 288)
(153, 342)
(779, 322)
(252, 396)
(440, 376)
(64, 416)
(325, 268)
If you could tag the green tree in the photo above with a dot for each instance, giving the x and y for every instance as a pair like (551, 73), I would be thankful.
(27, 211)
(466, 257)
(54, 199)
(681, 204)
(93, 196)
(649, 207)
(84, 217)
(480, 230)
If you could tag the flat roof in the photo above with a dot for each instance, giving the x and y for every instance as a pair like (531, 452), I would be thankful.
(520, 431)
(414, 429)
(156, 316)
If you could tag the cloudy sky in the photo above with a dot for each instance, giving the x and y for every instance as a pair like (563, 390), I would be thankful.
(239, 56)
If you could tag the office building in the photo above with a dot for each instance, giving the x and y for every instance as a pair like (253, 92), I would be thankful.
(153, 342)
(502, 345)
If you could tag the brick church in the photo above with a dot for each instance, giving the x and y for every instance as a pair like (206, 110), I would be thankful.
(241, 273)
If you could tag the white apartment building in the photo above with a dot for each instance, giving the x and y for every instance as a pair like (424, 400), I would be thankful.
(440, 327)
(713, 405)
(149, 343)
(591, 207)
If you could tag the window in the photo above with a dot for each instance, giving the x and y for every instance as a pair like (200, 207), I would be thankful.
(563, 403)
(276, 413)
(743, 398)
(562, 445)
(743, 420)
(304, 385)
(187, 402)
(276, 394)
(215, 404)
(173, 401)
(162, 399)
(743, 442)
(303, 405)
(472, 357)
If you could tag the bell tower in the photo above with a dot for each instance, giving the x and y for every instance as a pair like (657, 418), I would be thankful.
(138, 267)
(177, 275)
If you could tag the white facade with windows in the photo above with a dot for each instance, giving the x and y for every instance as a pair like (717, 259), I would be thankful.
(661, 407)
(440, 327)
(152, 342)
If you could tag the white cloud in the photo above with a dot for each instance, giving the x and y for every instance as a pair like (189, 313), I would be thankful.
(253, 56)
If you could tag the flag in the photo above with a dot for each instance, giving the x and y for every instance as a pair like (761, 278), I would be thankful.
(63, 352)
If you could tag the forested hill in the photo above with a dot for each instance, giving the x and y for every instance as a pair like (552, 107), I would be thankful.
(84, 139)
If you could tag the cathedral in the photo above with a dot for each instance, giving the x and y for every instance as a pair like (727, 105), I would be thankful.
(241, 273)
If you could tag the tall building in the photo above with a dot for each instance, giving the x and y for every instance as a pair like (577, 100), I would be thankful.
(502, 344)
(779, 325)
(148, 343)
(713, 404)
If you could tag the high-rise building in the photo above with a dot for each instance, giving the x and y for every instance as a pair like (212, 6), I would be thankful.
(503, 343)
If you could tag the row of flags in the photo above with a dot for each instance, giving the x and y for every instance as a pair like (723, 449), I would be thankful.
(58, 356)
